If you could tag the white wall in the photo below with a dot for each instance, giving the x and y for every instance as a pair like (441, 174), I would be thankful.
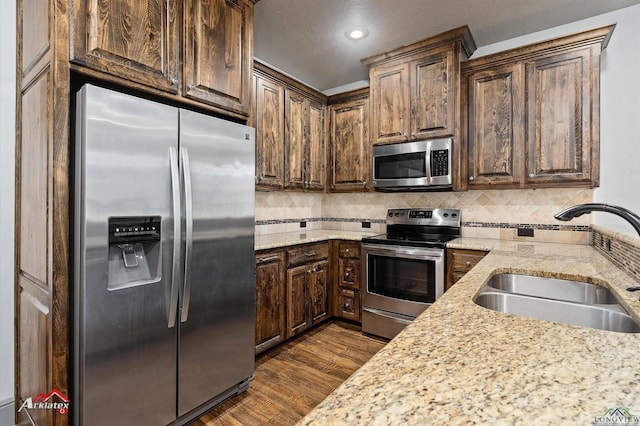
(7, 183)
(619, 108)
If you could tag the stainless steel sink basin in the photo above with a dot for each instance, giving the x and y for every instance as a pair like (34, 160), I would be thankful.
(568, 302)
(611, 317)
(551, 288)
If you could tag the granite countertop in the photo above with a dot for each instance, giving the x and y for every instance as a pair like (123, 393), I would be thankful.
(459, 363)
(270, 241)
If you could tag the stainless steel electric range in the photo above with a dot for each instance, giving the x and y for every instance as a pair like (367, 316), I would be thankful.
(404, 269)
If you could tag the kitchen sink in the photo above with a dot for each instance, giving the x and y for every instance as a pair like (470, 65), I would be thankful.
(552, 288)
(564, 301)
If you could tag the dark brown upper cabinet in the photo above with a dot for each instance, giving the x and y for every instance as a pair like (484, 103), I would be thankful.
(532, 116)
(142, 44)
(136, 40)
(349, 164)
(290, 129)
(218, 54)
(415, 89)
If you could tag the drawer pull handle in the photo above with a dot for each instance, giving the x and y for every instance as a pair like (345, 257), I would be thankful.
(268, 259)
(311, 271)
(311, 254)
(467, 263)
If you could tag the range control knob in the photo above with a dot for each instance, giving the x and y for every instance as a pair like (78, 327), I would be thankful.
(390, 214)
(454, 214)
(446, 215)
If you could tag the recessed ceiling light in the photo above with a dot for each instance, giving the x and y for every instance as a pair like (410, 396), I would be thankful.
(357, 33)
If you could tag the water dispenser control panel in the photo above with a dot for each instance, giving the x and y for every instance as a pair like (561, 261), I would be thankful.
(128, 230)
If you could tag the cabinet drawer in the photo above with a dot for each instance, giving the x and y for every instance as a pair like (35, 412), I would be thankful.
(348, 249)
(463, 261)
(307, 253)
(349, 304)
(349, 270)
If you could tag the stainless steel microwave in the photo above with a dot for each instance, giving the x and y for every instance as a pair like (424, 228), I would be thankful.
(421, 165)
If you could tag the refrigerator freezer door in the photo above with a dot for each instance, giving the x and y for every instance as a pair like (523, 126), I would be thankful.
(216, 343)
(125, 352)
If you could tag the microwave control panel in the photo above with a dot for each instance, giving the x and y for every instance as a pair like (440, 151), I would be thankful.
(440, 162)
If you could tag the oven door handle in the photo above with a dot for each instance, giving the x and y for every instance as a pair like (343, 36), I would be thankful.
(423, 253)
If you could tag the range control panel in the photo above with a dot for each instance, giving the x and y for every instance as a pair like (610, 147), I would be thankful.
(134, 229)
(424, 216)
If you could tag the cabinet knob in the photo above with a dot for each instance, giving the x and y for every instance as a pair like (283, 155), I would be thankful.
(531, 175)
(191, 87)
(471, 178)
(310, 254)
(346, 250)
(467, 263)
(347, 305)
(174, 81)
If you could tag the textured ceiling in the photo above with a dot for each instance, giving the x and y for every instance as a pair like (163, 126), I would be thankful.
(306, 38)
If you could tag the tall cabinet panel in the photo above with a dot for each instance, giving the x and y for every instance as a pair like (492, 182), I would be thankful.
(269, 122)
(42, 216)
(294, 139)
(135, 39)
(217, 53)
(496, 131)
(315, 148)
(433, 90)
(350, 148)
(390, 104)
(558, 117)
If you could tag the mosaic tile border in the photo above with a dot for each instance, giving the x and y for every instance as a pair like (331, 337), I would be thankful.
(621, 253)
(546, 227)
(541, 226)
(318, 219)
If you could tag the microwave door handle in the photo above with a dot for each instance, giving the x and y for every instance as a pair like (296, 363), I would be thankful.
(427, 162)
(175, 263)
(188, 203)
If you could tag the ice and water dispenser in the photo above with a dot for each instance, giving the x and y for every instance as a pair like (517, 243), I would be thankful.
(134, 251)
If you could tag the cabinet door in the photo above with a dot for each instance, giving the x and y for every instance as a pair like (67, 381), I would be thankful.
(560, 90)
(495, 125)
(314, 163)
(297, 300)
(270, 300)
(319, 292)
(134, 40)
(269, 119)
(348, 304)
(390, 115)
(294, 139)
(459, 262)
(432, 96)
(219, 52)
(349, 139)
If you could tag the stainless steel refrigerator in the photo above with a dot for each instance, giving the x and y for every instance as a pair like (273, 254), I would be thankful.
(164, 286)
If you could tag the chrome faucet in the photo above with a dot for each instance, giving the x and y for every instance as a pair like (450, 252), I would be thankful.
(580, 209)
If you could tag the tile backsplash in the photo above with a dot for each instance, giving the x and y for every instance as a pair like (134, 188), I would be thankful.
(485, 214)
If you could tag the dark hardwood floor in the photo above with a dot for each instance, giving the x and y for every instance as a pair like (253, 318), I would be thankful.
(295, 377)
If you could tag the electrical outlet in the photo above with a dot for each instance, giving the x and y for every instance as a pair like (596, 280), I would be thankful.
(366, 224)
(303, 224)
(525, 232)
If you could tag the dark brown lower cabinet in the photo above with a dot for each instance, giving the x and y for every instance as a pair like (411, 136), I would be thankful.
(307, 296)
(346, 279)
(459, 262)
(270, 299)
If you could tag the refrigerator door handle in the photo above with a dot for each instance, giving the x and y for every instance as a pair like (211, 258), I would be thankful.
(188, 203)
(175, 269)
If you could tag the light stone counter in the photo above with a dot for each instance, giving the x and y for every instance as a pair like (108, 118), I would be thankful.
(459, 363)
(270, 241)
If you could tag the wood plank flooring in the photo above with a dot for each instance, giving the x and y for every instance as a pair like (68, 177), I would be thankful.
(295, 377)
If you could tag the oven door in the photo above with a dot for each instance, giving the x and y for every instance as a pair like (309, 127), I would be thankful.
(400, 279)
